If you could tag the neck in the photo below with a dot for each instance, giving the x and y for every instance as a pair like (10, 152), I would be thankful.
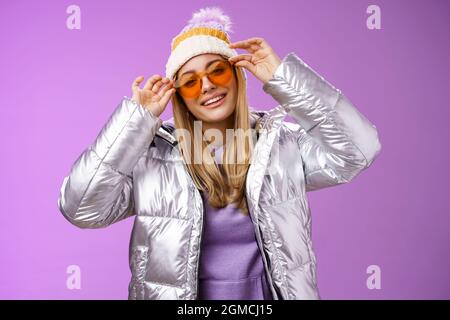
(223, 125)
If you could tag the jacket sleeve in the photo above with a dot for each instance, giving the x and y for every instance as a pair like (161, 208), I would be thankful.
(98, 190)
(336, 141)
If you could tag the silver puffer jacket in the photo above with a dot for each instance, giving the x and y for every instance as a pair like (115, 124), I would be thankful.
(135, 168)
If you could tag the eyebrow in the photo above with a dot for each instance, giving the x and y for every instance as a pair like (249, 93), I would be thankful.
(207, 65)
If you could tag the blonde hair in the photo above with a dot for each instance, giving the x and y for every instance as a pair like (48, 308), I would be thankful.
(228, 187)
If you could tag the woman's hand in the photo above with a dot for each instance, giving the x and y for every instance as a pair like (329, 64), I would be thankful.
(262, 60)
(152, 96)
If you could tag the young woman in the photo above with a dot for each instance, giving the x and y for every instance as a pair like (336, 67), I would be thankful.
(220, 213)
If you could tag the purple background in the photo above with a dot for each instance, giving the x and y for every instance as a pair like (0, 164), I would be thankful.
(59, 86)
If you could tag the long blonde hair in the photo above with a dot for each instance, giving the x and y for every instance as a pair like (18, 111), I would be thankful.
(228, 187)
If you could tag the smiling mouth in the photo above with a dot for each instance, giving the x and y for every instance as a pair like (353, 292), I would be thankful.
(215, 103)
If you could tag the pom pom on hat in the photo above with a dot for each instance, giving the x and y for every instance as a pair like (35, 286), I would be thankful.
(212, 16)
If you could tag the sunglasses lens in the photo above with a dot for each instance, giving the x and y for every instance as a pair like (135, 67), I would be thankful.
(188, 86)
(220, 74)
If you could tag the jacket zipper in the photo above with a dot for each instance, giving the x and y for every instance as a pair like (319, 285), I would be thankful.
(260, 124)
(263, 254)
(195, 190)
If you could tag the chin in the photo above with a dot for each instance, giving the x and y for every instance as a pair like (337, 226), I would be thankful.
(216, 114)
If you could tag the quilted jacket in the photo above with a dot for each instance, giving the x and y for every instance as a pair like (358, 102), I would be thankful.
(134, 168)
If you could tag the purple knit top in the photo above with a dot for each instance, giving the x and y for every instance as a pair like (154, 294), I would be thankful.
(231, 265)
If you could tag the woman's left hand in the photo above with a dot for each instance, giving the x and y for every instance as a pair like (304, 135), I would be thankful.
(262, 60)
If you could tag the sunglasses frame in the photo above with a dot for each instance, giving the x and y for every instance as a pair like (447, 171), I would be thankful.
(200, 77)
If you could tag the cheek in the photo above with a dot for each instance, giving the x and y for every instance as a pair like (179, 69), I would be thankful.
(194, 108)
(191, 104)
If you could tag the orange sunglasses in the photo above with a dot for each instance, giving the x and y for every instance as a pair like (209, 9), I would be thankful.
(190, 84)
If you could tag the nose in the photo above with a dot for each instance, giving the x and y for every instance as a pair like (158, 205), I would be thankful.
(206, 84)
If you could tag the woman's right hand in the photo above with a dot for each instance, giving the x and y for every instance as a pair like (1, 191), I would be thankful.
(152, 96)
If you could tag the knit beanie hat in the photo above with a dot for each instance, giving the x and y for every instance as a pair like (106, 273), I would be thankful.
(206, 32)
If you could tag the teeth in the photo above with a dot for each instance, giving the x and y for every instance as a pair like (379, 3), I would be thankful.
(213, 100)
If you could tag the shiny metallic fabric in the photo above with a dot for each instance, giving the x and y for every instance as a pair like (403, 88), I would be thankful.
(135, 168)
